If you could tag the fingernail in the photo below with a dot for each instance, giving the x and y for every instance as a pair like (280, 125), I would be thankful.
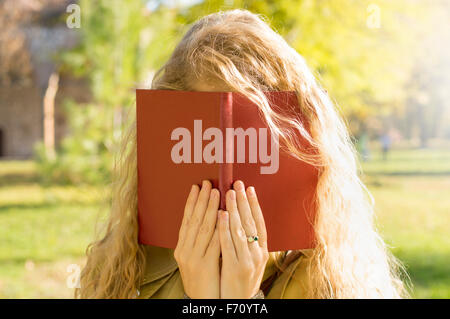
(214, 193)
(239, 186)
(224, 214)
(251, 191)
(204, 183)
(232, 194)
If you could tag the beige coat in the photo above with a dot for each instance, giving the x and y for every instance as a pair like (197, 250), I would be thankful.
(162, 278)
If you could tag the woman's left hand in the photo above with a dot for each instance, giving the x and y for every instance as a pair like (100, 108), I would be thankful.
(243, 262)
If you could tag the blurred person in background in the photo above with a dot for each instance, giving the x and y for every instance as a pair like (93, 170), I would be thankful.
(385, 144)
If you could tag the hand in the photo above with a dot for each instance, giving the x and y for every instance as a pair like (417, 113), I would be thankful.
(198, 249)
(243, 263)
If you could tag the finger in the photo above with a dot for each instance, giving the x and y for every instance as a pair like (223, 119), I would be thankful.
(257, 216)
(188, 210)
(226, 242)
(197, 215)
(213, 249)
(237, 231)
(208, 225)
(245, 212)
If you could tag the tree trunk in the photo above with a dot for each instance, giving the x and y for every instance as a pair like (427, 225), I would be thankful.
(49, 114)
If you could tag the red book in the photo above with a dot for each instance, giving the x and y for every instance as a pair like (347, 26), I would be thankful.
(184, 137)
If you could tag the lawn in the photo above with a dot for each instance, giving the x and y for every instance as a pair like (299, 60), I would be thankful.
(44, 230)
(412, 203)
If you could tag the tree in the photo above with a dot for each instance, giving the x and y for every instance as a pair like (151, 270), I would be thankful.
(363, 67)
(121, 43)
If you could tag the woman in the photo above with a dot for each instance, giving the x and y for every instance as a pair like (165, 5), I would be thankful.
(237, 51)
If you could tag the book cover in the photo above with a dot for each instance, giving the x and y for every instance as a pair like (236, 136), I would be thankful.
(184, 137)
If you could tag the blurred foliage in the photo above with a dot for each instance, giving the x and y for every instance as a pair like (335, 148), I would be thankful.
(361, 66)
(84, 156)
(122, 43)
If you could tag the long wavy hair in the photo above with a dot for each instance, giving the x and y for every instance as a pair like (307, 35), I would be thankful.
(239, 51)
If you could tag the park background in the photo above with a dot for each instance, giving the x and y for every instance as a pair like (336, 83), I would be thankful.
(67, 83)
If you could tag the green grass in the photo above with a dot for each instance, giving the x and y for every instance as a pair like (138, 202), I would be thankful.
(43, 230)
(417, 162)
(412, 196)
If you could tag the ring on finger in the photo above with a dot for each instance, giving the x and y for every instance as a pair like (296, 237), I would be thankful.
(252, 239)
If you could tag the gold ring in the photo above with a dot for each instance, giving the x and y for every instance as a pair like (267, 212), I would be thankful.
(251, 239)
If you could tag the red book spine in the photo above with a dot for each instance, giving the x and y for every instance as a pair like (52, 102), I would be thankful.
(226, 167)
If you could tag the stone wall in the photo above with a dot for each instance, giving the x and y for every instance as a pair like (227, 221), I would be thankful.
(21, 116)
(20, 120)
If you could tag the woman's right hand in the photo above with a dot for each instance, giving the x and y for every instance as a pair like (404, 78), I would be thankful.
(198, 249)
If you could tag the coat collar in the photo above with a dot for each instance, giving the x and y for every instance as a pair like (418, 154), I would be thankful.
(160, 262)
